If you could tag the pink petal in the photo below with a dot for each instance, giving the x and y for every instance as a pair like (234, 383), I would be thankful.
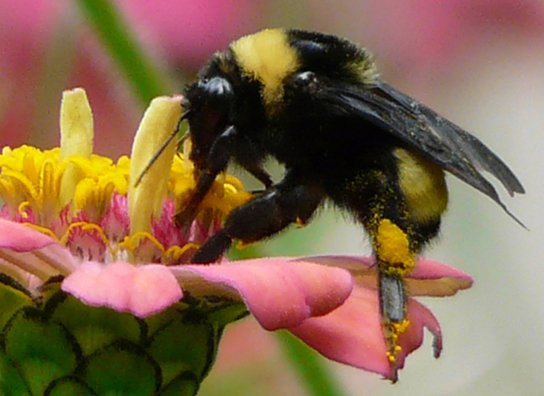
(278, 291)
(31, 257)
(429, 278)
(18, 237)
(352, 334)
(420, 317)
(141, 290)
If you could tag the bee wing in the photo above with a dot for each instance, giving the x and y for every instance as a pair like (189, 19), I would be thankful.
(452, 136)
(443, 142)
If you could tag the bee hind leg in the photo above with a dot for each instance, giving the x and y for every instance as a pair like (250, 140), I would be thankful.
(396, 241)
(395, 259)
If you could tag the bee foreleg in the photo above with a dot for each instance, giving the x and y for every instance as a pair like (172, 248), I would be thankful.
(250, 157)
(288, 202)
(216, 162)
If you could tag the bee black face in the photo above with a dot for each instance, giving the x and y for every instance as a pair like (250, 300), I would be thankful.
(210, 102)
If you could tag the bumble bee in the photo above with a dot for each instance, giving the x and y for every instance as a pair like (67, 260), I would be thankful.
(316, 103)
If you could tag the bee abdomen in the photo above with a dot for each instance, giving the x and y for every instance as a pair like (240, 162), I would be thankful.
(423, 185)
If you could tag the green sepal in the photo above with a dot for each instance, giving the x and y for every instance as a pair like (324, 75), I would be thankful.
(68, 386)
(93, 327)
(227, 313)
(42, 349)
(11, 381)
(13, 297)
(185, 384)
(122, 368)
(56, 345)
(183, 346)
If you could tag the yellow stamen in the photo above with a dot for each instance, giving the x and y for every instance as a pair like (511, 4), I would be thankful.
(21, 185)
(173, 253)
(132, 242)
(43, 230)
(23, 206)
(85, 226)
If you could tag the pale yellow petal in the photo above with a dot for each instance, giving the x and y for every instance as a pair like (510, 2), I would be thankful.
(76, 124)
(76, 137)
(146, 199)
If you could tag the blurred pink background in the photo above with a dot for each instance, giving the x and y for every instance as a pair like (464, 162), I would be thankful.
(479, 62)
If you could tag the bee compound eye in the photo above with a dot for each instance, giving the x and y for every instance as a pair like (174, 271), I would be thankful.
(306, 81)
(215, 87)
(305, 78)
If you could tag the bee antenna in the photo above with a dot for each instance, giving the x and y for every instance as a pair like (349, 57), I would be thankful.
(163, 147)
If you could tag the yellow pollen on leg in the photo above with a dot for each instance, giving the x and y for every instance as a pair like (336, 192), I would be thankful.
(393, 330)
(300, 223)
(393, 248)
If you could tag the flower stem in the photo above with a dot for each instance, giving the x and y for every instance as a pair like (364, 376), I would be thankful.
(309, 366)
(137, 67)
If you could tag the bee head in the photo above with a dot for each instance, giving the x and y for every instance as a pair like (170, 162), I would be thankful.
(210, 101)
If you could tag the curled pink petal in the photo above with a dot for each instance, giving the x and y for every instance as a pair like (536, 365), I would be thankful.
(432, 278)
(31, 257)
(429, 277)
(140, 290)
(278, 291)
(420, 317)
(351, 263)
(18, 237)
(352, 334)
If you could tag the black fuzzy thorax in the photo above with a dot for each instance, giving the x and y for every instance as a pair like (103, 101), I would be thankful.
(350, 159)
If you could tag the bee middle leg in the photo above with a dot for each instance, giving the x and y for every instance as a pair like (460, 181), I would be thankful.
(287, 202)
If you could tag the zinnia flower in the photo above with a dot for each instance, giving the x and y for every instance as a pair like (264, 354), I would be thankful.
(97, 293)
